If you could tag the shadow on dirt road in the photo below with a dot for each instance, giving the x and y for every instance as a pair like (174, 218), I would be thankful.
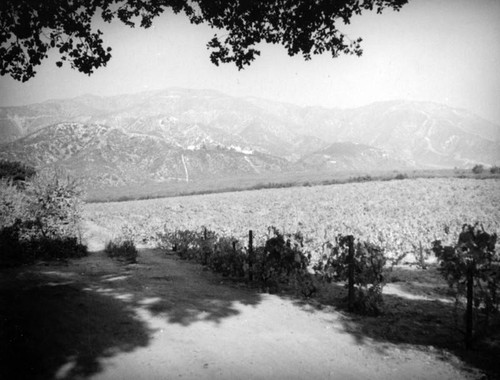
(71, 320)
(54, 328)
(418, 313)
(60, 321)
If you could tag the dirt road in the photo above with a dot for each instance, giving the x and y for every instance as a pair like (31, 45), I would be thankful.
(169, 319)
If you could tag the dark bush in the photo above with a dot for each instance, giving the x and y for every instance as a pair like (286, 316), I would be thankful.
(13, 251)
(401, 176)
(369, 263)
(15, 171)
(478, 169)
(18, 249)
(122, 250)
(227, 259)
(58, 248)
(281, 257)
(363, 178)
(279, 261)
(495, 169)
(472, 269)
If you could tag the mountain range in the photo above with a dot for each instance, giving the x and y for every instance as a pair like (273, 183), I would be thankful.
(188, 135)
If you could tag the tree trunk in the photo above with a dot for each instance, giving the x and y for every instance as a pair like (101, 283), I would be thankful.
(470, 303)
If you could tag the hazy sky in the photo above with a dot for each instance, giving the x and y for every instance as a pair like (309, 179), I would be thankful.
(446, 51)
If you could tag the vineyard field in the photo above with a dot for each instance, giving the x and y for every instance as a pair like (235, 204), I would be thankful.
(402, 216)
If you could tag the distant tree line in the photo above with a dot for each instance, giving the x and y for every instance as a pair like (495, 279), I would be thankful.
(478, 169)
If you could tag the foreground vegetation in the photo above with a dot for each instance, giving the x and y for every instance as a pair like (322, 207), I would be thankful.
(471, 268)
(39, 215)
(352, 235)
(393, 223)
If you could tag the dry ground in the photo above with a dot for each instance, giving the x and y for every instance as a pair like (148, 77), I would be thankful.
(164, 318)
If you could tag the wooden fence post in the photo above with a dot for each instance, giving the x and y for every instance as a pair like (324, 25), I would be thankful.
(350, 263)
(250, 254)
(206, 248)
(470, 303)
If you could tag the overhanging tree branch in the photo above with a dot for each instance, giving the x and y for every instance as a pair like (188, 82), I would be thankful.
(30, 28)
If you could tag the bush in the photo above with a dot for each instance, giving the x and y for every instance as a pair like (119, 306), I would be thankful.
(364, 178)
(283, 261)
(478, 169)
(495, 169)
(187, 244)
(57, 248)
(227, 259)
(13, 249)
(122, 249)
(55, 203)
(280, 261)
(369, 263)
(472, 270)
(17, 250)
(40, 220)
(15, 171)
(401, 176)
(13, 203)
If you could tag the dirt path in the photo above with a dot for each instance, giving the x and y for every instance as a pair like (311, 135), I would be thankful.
(168, 319)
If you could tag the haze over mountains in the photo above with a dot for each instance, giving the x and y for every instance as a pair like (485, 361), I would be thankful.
(184, 135)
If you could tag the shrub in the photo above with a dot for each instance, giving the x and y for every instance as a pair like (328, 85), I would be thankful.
(122, 249)
(281, 255)
(57, 248)
(495, 169)
(15, 171)
(472, 270)
(281, 260)
(18, 249)
(186, 243)
(401, 176)
(55, 203)
(13, 249)
(478, 169)
(13, 203)
(207, 248)
(40, 220)
(227, 259)
(364, 178)
(368, 266)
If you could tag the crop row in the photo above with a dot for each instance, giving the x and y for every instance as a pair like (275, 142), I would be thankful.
(402, 217)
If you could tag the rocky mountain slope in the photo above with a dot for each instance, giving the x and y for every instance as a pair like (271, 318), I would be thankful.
(161, 135)
(106, 155)
(347, 156)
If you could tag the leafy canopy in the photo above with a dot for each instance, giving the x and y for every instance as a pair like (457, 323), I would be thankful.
(30, 28)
